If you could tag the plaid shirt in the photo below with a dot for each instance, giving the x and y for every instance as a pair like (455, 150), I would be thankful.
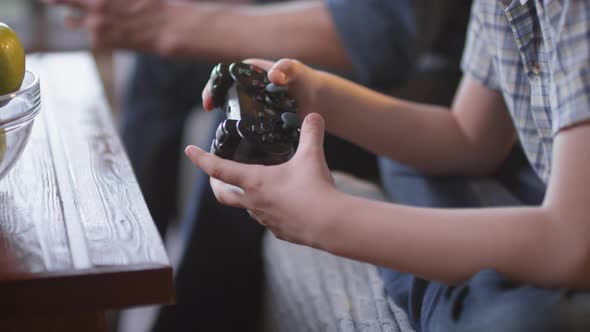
(536, 53)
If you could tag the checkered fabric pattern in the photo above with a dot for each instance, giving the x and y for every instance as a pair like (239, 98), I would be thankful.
(537, 54)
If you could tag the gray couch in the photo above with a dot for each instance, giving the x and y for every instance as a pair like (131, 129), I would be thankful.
(311, 290)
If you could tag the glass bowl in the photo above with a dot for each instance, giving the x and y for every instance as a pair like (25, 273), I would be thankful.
(17, 113)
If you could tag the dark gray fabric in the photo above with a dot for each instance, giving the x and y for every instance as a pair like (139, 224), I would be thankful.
(378, 37)
(383, 38)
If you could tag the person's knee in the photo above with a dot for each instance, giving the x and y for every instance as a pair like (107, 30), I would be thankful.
(532, 314)
(560, 316)
(491, 302)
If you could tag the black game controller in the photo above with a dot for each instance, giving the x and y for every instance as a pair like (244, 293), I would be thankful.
(262, 126)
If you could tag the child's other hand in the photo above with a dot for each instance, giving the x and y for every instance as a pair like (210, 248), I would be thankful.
(301, 80)
(292, 199)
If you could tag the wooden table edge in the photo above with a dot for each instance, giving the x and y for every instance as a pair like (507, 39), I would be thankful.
(98, 288)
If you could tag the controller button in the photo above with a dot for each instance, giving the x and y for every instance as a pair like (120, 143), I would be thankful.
(228, 128)
(273, 88)
(290, 120)
(271, 137)
(280, 101)
(264, 127)
(220, 133)
(249, 77)
(245, 71)
(270, 111)
(229, 125)
(258, 84)
(221, 81)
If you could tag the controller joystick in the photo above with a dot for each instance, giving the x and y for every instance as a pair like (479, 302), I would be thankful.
(262, 126)
(220, 83)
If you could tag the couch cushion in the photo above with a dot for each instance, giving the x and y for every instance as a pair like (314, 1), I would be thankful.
(311, 290)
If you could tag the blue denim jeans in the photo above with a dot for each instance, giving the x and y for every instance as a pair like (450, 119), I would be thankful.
(488, 301)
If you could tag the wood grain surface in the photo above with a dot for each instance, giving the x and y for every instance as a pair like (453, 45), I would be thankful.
(75, 232)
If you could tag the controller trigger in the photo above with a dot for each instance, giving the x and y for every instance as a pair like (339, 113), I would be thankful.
(273, 88)
(290, 120)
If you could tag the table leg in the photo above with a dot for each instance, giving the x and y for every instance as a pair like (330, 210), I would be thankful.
(62, 322)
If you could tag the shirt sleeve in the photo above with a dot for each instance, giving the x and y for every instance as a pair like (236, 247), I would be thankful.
(571, 64)
(379, 37)
(478, 60)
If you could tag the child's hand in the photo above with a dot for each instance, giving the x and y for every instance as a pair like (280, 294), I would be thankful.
(291, 199)
(301, 80)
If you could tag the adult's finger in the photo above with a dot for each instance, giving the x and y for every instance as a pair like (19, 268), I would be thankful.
(312, 136)
(224, 170)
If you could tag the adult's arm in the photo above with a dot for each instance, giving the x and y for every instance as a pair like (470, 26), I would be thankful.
(372, 39)
(213, 31)
(221, 32)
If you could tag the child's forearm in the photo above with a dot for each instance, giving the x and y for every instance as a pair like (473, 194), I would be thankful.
(525, 244)
(430, 138)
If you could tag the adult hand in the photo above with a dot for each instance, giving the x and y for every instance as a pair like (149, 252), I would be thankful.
(293, 199)
(302, 81)
(131, 24)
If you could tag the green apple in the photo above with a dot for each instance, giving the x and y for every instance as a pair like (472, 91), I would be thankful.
(12, 60)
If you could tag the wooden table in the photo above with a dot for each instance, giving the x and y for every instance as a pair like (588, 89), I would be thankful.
(77, 237)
